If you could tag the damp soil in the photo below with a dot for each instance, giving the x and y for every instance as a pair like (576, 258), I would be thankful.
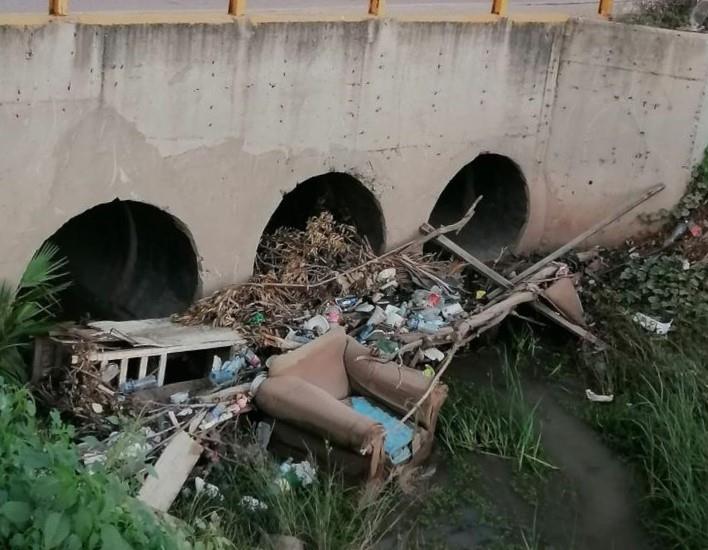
(472, 500)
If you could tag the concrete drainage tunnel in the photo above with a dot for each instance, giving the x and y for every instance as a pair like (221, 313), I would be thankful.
(500, 216)
(126, 260)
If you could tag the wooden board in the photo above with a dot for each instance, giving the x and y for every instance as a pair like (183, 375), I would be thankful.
(173, 468)
(168, 334)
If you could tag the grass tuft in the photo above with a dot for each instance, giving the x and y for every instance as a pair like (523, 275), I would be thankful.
(327, 514)
(660, 422)
(499, 423)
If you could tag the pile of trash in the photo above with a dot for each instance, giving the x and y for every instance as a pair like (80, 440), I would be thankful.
(406, 306)
(326, 273)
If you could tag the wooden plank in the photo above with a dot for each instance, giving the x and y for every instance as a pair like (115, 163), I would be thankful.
(605, 8)
(224, 394)
(164, 333)
(476, 263)
(237, 7)
(134, 353)
(123, 371)
(142, 373)
(570, 245)
(500, 7)
(377, 7)
(161, 370)
(58, 7)
(505, 283)
(172, 468)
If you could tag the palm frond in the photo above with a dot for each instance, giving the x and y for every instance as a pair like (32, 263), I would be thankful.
(26, 312)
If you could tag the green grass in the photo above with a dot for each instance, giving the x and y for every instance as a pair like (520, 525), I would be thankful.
(499, 422)
(326, 515)
(660, 422)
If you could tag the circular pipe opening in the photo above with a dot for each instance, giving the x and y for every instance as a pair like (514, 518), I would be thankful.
(500, 216)
(343, 195)
(127, 260)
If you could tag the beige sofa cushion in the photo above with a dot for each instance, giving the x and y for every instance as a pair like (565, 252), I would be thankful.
(321, 362)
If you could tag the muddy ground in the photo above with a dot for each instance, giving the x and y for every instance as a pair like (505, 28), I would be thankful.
(475, 500)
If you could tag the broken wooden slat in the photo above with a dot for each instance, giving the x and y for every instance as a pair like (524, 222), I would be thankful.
(123, 371)
(224, 394)
(134, 353)
(142, 373)
(172, 468)
(162, 367)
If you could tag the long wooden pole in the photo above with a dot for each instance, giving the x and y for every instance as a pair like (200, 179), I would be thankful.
(599, 226)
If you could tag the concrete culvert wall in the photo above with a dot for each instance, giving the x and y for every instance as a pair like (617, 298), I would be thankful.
(127, 260)
(500, 216)
(343, 195)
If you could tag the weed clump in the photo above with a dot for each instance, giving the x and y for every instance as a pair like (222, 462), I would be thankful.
(671, 14)
(252, 505)
(49, 499)
(491, 421)
(660, 422)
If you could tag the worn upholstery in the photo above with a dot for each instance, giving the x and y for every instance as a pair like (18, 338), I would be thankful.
(307, 390)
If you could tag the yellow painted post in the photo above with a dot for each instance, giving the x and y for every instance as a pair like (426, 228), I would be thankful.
(376, 7)
(499, 7)
(237, 7)
(58, 7)
(605, 8)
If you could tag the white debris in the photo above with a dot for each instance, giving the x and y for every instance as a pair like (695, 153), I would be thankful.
(434, 354)
(597, 398)
(317, 324)
(651, 324)
(216, 363)
(298, 474)
(209, 489)
(386, 275)
(252, 504)
(179, 397)
(97, 408)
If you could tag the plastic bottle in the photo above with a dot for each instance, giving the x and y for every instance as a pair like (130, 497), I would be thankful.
(131, 386)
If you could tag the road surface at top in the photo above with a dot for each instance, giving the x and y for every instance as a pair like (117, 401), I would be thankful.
(324, 7)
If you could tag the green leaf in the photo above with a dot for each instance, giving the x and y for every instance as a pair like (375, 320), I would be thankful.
(16, 511)
(112, 539)
(73, 542)
(83, 522)
(56, 529)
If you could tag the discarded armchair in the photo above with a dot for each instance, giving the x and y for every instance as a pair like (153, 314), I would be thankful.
(333, 399)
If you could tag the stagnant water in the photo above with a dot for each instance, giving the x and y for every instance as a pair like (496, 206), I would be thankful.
(588, 502)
